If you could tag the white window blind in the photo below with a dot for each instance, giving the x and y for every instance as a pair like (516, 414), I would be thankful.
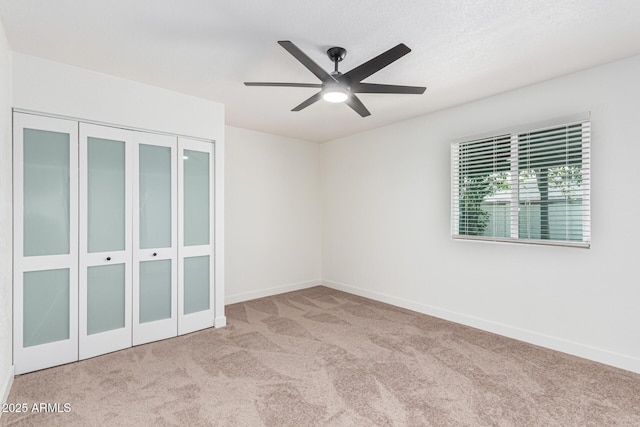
(529, 184)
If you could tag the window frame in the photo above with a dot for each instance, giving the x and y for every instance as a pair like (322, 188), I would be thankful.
(514, 135)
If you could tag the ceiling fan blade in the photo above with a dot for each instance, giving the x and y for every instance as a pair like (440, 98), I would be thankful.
(374, 65)
(378, 88)
(318, 71)
(316, 85)
(311, 100)
(357, 105)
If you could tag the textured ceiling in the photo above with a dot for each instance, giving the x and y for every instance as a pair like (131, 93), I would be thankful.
(462, 50)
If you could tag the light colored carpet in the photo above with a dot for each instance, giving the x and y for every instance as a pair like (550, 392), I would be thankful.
(324, 357)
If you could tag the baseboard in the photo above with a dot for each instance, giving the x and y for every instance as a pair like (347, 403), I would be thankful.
(220, 322)
(6, 381)
(618, 360)
(232, 299)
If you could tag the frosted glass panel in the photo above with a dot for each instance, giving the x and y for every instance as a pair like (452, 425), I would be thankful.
(106, 195)
(196, 198)
(155, 196)
(45, 306)
(46, 192)
(196, 284)
(105, 298)
(155, 290)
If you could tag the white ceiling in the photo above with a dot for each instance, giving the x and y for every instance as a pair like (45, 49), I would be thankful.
(462, 49)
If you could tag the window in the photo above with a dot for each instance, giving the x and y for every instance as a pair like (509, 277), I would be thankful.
(526, 185)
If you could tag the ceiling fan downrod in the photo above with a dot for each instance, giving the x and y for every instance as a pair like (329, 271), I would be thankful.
(336, 54)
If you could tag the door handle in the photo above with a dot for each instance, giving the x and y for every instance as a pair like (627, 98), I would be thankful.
(108, 258)
(155, 253)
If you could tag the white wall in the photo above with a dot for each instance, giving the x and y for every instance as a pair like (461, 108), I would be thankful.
(272, 214)
(6, 254)
(386, 223)
(55, 88)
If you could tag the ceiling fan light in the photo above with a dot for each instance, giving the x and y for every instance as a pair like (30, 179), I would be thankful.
(335, 94)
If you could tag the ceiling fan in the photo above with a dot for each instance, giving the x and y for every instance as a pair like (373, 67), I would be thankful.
(338, 87)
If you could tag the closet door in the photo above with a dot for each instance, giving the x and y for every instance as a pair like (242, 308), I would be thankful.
(45, 242)
(195, 264)
(155, 239)
(105, 240)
